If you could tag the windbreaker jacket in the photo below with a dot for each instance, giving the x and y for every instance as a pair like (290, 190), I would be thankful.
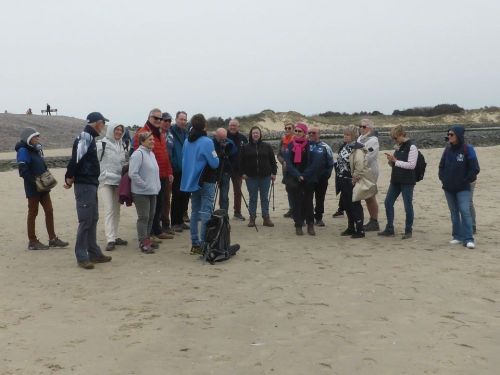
(30, 164)
(84, 164)
(459, 165)
(111, 157)
(371, 143)
(321, 151)
(198, 154)
(179, 136)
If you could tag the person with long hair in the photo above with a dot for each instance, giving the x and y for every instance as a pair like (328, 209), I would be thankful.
(258, 168)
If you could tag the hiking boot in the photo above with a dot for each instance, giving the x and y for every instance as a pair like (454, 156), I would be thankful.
(178, 228)
(86, 265)
(338, 214)
(358, 235)
(251, 221)
(406, 236)
(37, 245)
(267, 222)
(101, 259)
(196, 250)
(386, 233)
(310, 230)
(299, 231)
(164, 236)
(169, 231)
(371, 226)
(239, 216)
(110, 246)
(289, 213)
(147, 247)
(320, 223)
(348, 232)
(185, 226)
(120, 242)
(185, 218)
(56, 242)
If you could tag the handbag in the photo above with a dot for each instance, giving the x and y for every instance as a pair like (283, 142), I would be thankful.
(45, 182)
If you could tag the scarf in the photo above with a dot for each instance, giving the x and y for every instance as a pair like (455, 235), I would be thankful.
(286, 140)
(299, 145)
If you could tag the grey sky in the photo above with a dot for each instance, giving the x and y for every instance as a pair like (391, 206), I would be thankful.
(223, 57)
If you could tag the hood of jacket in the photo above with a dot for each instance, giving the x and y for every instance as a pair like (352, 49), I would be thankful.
(460, 133)
(110, 133)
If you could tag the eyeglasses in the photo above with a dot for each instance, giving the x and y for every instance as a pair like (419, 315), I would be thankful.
(311, 133)
(166, 120)
(363, 126)
(451, 134)
(156, 118)
(298, 131)
(288, 128)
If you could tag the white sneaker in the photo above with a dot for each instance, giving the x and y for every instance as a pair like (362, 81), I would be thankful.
(455, 242)
(470, 245)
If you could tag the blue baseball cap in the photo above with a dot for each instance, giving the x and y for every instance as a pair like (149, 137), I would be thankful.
(95, 116)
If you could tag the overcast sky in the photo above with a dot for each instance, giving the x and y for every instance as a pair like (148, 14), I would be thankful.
(228, 58)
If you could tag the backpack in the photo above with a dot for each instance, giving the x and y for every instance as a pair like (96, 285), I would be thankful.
(420, 167)
(217, 246)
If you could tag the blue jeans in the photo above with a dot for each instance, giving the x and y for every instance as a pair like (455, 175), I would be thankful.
(202, 204)
(224, 191)
(393, 194)
(461, 218)
(256, 186)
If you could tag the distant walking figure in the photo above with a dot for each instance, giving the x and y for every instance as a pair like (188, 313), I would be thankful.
(48, 110)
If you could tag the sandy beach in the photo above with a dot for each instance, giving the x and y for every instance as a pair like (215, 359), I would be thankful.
(283, 305)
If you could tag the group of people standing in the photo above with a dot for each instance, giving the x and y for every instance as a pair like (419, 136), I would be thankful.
(168, 165)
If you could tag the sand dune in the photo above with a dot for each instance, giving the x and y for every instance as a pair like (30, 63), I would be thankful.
(283, 305)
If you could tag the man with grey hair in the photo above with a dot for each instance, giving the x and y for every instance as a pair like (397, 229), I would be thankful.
(369, 139)
(83, 171)
(239, 141)
(154, 125)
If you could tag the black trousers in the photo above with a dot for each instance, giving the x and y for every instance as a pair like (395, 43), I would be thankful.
(303, 208)
(319, 195)
(156, 229)
(354, 210)
(180, 200)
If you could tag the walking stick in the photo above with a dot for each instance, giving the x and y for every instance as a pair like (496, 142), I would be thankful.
(271, 191)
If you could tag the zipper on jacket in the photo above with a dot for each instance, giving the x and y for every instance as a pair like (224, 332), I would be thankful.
(257, 150)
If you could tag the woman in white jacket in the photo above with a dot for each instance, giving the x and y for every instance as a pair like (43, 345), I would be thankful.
(145, 185)
(111, 154)
(370, 141)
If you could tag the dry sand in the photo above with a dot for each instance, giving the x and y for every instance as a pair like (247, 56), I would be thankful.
(283, 305)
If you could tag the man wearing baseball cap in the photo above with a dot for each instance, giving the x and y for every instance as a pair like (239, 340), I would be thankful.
(83, 171)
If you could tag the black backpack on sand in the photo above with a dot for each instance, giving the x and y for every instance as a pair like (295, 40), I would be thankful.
(217, 246)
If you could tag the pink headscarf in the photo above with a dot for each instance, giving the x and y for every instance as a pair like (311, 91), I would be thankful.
(299, 144)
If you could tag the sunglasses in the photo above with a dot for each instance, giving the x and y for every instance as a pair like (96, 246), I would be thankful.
(363, 126)
(166, 120)
(298, 131)
(311, 133)
(156, 118)
(451, 134)
(288, 128)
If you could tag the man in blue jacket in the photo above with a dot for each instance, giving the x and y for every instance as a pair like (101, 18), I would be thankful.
(83, 170)
(180, 199)
(324, 157)
(199, 175)
(457, 169)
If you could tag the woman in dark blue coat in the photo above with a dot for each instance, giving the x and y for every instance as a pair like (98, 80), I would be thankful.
(31, 164)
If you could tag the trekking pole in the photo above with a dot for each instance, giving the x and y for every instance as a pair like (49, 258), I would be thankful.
(248, 209)
(273, 194)
(271, 191)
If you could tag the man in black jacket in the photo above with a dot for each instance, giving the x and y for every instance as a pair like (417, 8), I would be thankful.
(239, 140)
(83, 170)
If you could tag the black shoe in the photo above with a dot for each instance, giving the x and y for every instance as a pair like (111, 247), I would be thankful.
(56, 242)
(196, 250)
(386, 233)
(371, 226)
(185, 218)
(37, 245)
(299, 231)
(320, 223)
(338, 214)
(348, 232)
(288, 214)
(406, 236)
(110, 246)
(102, 259)
(178, 228)
(238, 216)
(120, 242)
(86, 265)
(358, 235)
(185, 226)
